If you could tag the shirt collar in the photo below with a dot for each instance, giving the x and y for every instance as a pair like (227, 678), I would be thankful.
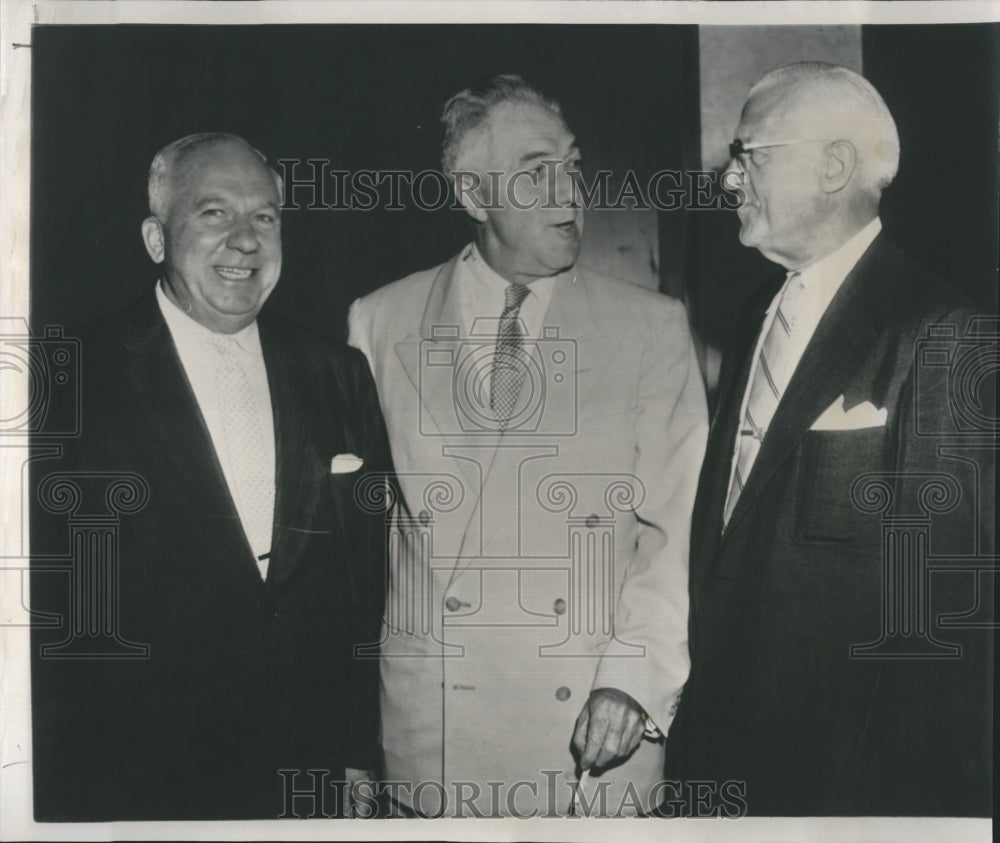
(484, 274)
(838, 264)
(185, 329)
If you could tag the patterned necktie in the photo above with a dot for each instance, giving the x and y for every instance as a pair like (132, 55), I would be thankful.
(252, 490)
(770, 379)
(508, 369)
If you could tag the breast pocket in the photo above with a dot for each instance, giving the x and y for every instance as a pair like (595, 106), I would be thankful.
(829, 464)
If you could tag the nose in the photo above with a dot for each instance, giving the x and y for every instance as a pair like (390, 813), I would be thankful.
(566, 190)
(242, 236)
(734, 179)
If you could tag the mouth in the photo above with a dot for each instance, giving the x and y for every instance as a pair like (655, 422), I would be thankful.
(234, 273)
(566, 227)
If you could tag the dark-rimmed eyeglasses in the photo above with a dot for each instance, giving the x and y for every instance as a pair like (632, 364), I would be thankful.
(738, 148)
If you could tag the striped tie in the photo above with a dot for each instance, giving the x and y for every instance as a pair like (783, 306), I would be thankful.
(770, 379)
(508, 369)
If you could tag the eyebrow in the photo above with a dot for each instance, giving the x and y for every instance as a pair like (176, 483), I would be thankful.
(208, 200)
(218, 198)
(547, 153)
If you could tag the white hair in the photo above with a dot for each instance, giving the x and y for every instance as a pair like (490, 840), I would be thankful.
(846, 98)
(168, 159)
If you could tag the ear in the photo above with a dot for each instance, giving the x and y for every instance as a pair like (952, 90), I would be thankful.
(152, 236)
(840, 164)
(469, 189)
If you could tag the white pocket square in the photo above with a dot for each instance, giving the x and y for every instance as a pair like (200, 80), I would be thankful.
(345, 464)
(859, 417)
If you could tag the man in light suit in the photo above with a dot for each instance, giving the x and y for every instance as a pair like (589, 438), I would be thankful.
(838, 665)
(243, 574)
(547, 423)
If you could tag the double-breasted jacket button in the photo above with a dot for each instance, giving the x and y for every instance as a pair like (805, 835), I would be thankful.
(563, 693)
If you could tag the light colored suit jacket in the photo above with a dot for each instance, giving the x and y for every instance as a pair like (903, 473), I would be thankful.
(530, 568)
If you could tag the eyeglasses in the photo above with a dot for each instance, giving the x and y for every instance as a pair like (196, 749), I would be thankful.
(738, 149)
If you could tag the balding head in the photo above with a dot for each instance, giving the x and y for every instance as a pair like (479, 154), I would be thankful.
(169, 162)
(215, 229)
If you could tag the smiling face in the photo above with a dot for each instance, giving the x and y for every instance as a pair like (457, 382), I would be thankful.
(532, 221)
(221, 242)
(785, 202)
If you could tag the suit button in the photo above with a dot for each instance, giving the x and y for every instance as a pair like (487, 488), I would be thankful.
(592, 521)
(453, 604)
(424, 517)
(563, 693)
(559, 607)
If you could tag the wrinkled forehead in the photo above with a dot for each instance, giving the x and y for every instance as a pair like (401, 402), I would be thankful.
(224, 163)
(785, 112)
(515, 133)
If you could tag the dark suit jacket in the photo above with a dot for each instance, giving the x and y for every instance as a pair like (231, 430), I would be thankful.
(243, 677)
(775, 698)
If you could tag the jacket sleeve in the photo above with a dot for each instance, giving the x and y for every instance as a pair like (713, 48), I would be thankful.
(652, 611)
(373, 498)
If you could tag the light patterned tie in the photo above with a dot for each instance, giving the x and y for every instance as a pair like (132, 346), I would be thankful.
(245, 448)
(770, 379)
(508, 369)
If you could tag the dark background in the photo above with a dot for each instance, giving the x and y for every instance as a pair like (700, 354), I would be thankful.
(105, 98)
(942, 85)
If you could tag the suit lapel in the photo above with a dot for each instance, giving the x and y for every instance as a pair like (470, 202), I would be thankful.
(844, 338)
(431, 362)
(297, 488)
(714, 482)
(574, 314)
(157, 376)
(571, 312)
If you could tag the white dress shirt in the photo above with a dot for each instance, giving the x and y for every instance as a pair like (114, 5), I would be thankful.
(200, 358)
(484, 291)
(821, 280)
(483, 296)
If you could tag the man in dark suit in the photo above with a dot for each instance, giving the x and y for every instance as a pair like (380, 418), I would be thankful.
(242, 575)
(840, 564)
